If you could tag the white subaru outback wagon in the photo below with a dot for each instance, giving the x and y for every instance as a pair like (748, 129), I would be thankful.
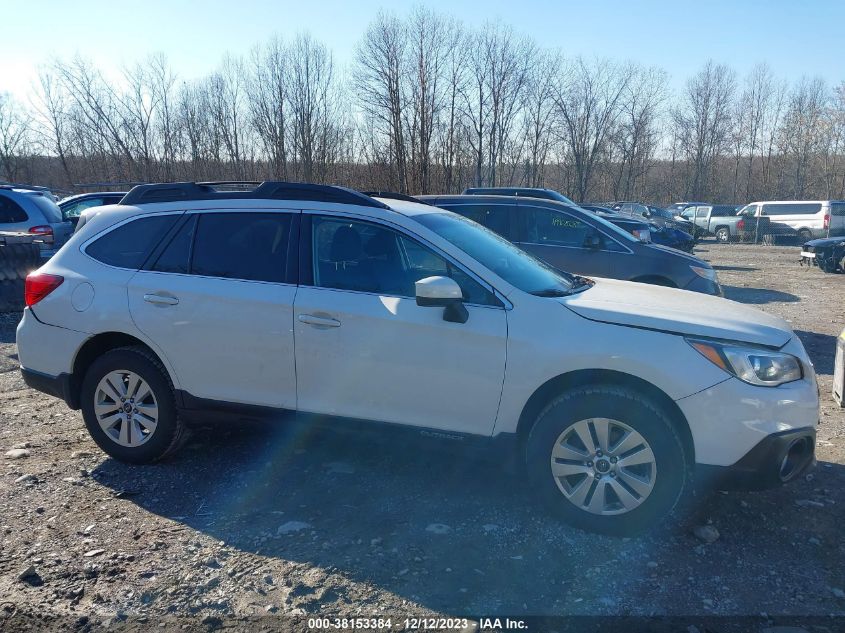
(187, 299)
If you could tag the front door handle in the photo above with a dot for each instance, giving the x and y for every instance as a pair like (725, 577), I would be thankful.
(162, 300)
(312, 319)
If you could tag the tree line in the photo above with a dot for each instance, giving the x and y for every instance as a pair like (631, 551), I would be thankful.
(430, 105)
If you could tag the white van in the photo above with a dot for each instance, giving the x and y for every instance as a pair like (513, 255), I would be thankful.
(809, 219)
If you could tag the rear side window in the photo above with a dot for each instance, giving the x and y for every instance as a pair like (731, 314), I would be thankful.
(544, 226)
(494, 216)
(11, 212)
(786, 208)
(52, 212)
(129, 245)
(250, 246)
(176, 258)
(837, 209)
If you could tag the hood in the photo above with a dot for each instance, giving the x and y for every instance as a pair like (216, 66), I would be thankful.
(677, 311)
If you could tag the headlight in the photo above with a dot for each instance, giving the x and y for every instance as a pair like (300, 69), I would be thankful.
(753, 365)
(707, 273)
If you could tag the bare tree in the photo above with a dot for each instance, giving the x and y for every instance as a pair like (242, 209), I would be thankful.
(703, 122)
(378, 79)
(587, 101)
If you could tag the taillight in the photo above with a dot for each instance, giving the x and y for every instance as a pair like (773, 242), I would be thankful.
(43, 229)
(826, 222)
(740, 225)
(39, 285)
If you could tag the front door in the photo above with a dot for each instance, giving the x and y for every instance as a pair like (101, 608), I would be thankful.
(366, 350)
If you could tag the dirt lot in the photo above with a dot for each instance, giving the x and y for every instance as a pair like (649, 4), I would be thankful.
(251, 522)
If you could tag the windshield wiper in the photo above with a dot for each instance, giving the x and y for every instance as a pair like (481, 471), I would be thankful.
(551, 292)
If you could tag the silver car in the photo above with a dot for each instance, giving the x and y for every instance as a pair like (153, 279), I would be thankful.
(35, 212)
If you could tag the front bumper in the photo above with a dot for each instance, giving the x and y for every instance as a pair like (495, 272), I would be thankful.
(777, 459)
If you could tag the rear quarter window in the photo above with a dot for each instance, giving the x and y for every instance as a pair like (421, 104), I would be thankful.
(129, 245)
(50, 209)
(11, 212)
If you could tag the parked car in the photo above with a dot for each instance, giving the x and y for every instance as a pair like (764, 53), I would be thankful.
(673, 238)
(663, 235)
(32, 210)
(678, 207)
(718, 220)
(619, 397)
(658, 216)
(640, 230)
(530, 192)
(576, 240)
(801, 218)
(73, 206)
(826, 253)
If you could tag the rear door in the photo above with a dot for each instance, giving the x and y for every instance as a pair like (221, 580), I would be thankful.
(218, 300)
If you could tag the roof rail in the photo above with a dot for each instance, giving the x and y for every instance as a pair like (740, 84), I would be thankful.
(267, 190)
(15, 185)
(392, 195)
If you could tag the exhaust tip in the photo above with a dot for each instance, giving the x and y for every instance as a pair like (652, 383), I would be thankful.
(794, 459)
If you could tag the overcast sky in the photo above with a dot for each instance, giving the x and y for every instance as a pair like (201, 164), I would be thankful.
(794, 38)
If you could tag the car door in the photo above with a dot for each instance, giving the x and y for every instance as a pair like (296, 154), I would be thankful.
(559, 238)
(366, 350)
(498, 217)
(217, 299)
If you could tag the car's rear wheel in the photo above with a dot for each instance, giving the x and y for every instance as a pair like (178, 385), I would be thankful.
(723, 235)
(129, 407)
(607, 459)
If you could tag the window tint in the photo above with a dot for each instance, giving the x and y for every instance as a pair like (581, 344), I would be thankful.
(370, 258)
(785, 208)
(128, 245)
(251, 246)
(494, 216)
(837, 209)
(11, 212)
(176, 258)
(74, 209)
(544, 226)
(749, 210)
(50, 209)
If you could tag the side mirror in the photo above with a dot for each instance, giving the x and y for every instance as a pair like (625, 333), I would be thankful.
(593, 240)
(442, 292)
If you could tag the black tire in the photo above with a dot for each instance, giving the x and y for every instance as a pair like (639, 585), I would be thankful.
(170, 430)
(723, 235)
(804, 235)
(672, 475)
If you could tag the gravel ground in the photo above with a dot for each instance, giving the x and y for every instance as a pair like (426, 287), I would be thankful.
(260, 520)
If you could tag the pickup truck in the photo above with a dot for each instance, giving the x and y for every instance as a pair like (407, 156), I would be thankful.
(713, 219)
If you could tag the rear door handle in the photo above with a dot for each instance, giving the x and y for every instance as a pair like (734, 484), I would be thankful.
(311, 319)
(162, 300)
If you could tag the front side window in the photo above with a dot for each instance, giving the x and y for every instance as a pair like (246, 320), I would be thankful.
(544, 226)
(367, 257)
(74, 209)
(129, 245)
(701, 212)
(749, 211)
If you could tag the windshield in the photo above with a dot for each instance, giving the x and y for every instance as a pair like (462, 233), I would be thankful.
(512, 264)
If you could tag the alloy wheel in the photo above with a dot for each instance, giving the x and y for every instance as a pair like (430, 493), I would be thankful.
(603, 466)
(126, 408)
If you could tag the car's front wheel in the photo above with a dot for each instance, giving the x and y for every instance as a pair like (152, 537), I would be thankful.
(129, 407)
(723, 235)
(607, 459)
